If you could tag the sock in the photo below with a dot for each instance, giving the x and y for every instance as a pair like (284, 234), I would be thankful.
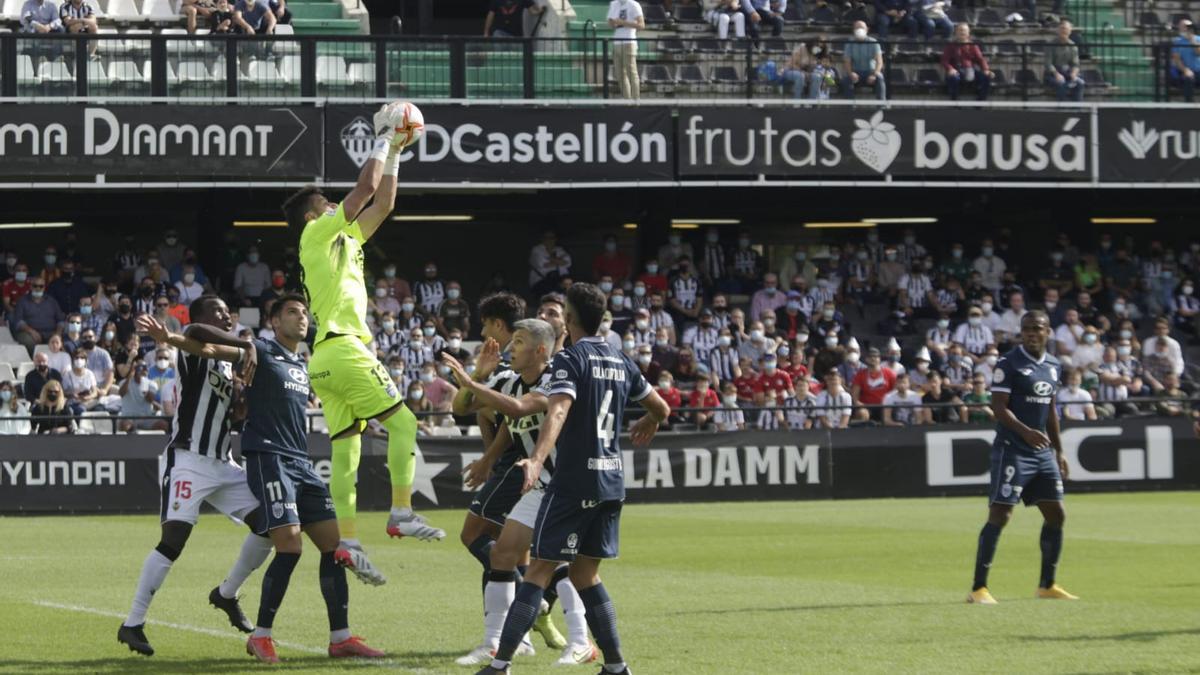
(336, 636)
(260, 632)
(154, 572)
(401, 454)
(989, 536)
(336, 593)
(1052, 540)
(521, 615)
(343, 476)
(255, 550)
(602, 619)
(498, 595)
(274, 585)
(573, 613)
(551, 595)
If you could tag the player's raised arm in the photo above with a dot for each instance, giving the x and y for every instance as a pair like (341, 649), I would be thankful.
(207, 342)
(374, 170)
(557, 407)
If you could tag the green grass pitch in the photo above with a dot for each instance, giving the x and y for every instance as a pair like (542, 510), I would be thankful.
(773, 587)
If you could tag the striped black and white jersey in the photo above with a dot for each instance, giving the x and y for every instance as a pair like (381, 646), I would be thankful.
(712, 261)
(1116, 392)
(69, 11)
(822, 294)
(386, 343)
(204, 389)
(797, 411)
(947, 299)
(721, 363)
(768, 420)
(405, 324)
(917, 286)
(975, 339)
(686, 291)
(745, 262)
(524, 430)
(643, 337)
(430, 294)
(415, 356)
(661, 319)
(702, 340)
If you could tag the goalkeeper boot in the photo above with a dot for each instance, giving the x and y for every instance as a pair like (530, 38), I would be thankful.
(135, 637)
(406, 523)
(1055, 592)
(233, 610)
(546, 628)
(355, 559)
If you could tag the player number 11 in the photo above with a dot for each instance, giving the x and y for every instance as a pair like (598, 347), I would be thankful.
(274, 491)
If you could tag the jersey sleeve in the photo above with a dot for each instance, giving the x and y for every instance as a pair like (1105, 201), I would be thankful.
(1003, 375)
(564, 377)
(323, 230)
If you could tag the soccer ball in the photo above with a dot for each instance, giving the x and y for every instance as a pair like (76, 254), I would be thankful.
(409, 123)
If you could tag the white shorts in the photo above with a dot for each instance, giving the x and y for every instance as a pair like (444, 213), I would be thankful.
(526, 510)
(189, 479)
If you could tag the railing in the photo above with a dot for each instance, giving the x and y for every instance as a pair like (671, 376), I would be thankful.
(392, 66)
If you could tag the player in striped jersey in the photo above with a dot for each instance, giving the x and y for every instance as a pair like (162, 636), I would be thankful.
(533, 344)
(197, 468)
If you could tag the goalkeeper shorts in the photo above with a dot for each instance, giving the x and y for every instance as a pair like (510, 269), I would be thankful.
(352, 384)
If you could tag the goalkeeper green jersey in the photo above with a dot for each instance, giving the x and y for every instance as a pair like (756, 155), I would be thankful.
(332, 257)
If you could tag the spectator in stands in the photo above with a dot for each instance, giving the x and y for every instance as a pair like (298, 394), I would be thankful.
(747, 265)
(162, 313)
(687, 298)
(163, 373)
(1119, 379)
(50, 413)
(625, 18)
(252, 277)
(69, 287)
(990, 267)
(549, 263)
(78, 16)
(39, 376)
(279, 8)
(665, 352)
(1089, 352)
(36, 317)
(1062, 65)
(400, 287)
(672, 395)
(139, 396)
(455, 313)
(505, 18)
(833, 405)
(652, 277)
(950, 408)
(932, 19)
(729, 417)
(40, 16)
(253, 17)
(1170, 390)
(91, 318)
(387, 337)
(99, 361)
(964, 62)
(1174, 352)
(382, 303)
(12, 406)
(1185, 59)
(79, 385)
(612, 263)
(869, 387)
(1074, 402)
(975, 337)
(220, 21)
(903, 405)
(721, 13)
(892, 13)
(863, 60)
(15, 287)
(768, 298)
(686, 368)
(671, 253)
(420, 405)
(978, 401)
(704, 400)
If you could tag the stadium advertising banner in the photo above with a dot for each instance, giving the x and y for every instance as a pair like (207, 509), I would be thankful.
(160, 142)
(1142, 145)
(76, 474)
(937, 143)
(493, 143)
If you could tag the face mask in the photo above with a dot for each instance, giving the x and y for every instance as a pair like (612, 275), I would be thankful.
(724, 340)
(416, 394)
(802, 337)
(1126, 334)
(642, 324)
(661, 343)
(10, 261)
(21, 277)
(1118, 309)
(1056, 257)
(730, 401)
(1089, 338)
(416, 341)
(744, 243)
(756, 334)
(380, 292)
(610, 246)
(800, 256)
(793, 305)
(639, 291)
(974, 320)
(629, 345)
(429, 331)
(943, 323)
(162, 364)
(147, 292)
(397, 372)
(37, 295)
(86, 310)
(991, 360)
(618, 301)
(605, 326)
(606, 286)
(860, 33)
(430, 272)
(852, 357)
(713, 237)
(955, 358)
(1187, 290)
(831, 341)
(956, 253)
(6, 395)
(986, 307)
(827, 314)
(389, 272)
(407, 307)
(771, 290)
(769, 366)
(88, 344)
(674, 239)
(427, 377)
(1123, 351)
(889, 256)
(51, 259)
(910, 240)
(922, 367)
(453, 293)
(769, 323)
(388, 325)
(644, 359)
(109, 335)
(987, 251)
(170, 241)
(1050, 305)
(125, 309)
(664, 384)
(252, 258)
(80, 363)
(52, 396)
(652, 268)
(74, 327)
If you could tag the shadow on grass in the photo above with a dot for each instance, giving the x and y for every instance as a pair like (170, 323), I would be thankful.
(810, 608)
(137, 664)
(1142, 636)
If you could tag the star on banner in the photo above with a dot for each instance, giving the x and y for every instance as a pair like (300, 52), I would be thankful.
(424, 475)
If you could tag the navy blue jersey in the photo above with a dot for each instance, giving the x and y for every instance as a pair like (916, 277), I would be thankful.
(1030, 384)
(275, 403)
(602, 380)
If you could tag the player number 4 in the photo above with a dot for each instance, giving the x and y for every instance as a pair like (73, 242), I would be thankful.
(604, 422)
(274, 491)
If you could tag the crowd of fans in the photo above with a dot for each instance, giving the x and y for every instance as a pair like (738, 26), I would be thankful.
(252, 17)
(865, 331)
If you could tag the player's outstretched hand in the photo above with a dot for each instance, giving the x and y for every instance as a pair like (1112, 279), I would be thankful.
(385, 126)
(1063, 468)
(488, 359)
(460, 373)
(249, 365)
(148, 325)
(533, 471)
(643, 431)
(477, 473)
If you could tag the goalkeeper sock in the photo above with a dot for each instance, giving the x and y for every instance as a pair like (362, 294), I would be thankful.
(401, 455)
(255, 550)
(342, 478)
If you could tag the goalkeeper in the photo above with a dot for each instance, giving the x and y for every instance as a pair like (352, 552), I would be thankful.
(353, 385)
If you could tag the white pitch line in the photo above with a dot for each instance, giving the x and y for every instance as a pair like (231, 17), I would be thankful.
(167, 624)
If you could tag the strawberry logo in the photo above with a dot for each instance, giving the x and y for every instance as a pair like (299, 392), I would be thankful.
(876, 143)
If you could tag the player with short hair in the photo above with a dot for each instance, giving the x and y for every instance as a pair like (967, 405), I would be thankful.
(532, 346)
(1023, 468)
(579, 517)
(293, 497)
(353, 385)
(198, 467)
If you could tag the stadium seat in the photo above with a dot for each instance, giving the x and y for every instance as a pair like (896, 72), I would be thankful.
(331, 70)
(260, 71)
(123, 71)
(445, 432)
(97, 422)
(725, 75)
(656, 73)
(289, 68)
(361, 73)
(12, 8)
(794, 13)
(24, 369)
(957, 15)
(97, 77)
(55, 71)
(711, 45)
(319, 425)
(473, 432)
(122, 11)
(282, 47)
(7, 373)
(928, 77)
(6, 336)
(671, 45)
(688, 14)
(1027, 77)
(150, 432)
(654, 14)
(824, 16)
(1093, 78)
(159, 11)
(39, 349)
(692, 74)
(13, 354)
(778, 46)
(1149, 20)
(250, 317)
(193, 71)
(25, 72)
(990, 18)
(137, 40)
(148, 68)
(1007, 48)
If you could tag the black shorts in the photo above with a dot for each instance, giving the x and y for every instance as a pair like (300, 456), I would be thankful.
(500, 493)
(568, 526)
(289, 489)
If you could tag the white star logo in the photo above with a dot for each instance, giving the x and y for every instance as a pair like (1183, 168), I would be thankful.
(424, 475)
